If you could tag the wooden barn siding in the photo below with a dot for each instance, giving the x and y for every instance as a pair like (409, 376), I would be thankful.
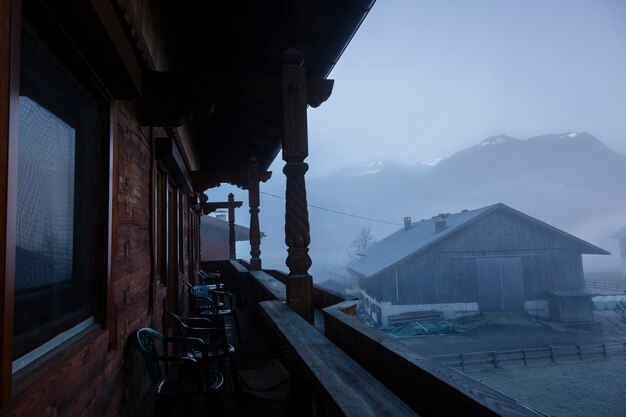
(373, 286)
(446, 273)
(434, 278)
(214, 244)
(503, 230)
(84, 377)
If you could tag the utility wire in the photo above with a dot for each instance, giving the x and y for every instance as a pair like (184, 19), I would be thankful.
(337, 212)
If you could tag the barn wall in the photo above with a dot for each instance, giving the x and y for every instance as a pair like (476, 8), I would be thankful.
(435, 278)
(501, 229)
(447, 273)
(374, 286)
(214, 244)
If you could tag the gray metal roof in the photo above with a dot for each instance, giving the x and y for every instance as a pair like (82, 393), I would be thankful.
(421, 235)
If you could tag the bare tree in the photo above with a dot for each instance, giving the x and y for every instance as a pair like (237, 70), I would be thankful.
(361, 241)
(620, 315)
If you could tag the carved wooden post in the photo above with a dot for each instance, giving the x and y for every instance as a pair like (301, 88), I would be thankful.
(295, 151)
(231, 227)
(253, 199)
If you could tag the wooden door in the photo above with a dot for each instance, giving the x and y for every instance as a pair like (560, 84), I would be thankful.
(500, 283)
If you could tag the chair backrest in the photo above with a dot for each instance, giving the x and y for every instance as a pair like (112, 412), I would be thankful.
(180, 322)
(213, 338)
(208, 278)
(147, 341)
(201, 291)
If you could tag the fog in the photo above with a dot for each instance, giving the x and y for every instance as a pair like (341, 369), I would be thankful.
(427, 80)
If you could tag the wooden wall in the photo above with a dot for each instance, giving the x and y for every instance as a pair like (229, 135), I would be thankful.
(84, 377)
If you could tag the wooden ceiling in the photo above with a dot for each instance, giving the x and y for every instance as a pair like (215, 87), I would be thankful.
(222, 86)
(232, 40)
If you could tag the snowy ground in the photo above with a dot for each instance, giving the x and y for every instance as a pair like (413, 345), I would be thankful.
(589, 388)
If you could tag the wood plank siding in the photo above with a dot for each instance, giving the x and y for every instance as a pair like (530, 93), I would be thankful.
(448, 272)
(84, 378)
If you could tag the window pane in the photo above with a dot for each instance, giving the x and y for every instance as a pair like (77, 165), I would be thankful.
(45, 198)
(57, 147)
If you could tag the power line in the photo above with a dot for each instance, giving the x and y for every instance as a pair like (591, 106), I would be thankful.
(337, 212)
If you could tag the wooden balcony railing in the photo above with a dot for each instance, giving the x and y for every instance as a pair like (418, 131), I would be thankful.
(428, 387)
(323, 375)
(352, 368)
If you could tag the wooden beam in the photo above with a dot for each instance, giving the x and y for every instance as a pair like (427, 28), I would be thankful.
(111, 309)
(203, 180)
(295, 151)
(208, 208)
(253, 203)
(231, 226)
(172, 98)
(9, 94)
(167, 152)
(115, 31)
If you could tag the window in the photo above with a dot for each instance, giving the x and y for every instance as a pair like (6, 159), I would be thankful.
(61, 221)
(161, 218)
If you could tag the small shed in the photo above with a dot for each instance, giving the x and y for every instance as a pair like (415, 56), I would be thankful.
(493, 258)
(620, 235)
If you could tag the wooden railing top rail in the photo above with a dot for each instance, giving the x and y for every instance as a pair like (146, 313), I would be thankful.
(351, 390)
(270, 284)
(238, 266)
(430, 388)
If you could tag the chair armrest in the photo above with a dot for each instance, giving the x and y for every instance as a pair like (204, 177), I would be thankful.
(184, 340)
(226, 294)
(200, 323)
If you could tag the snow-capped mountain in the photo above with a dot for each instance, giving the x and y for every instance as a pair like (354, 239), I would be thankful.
(378, 166)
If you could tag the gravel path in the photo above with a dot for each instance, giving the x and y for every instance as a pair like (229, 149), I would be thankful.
(590, 388)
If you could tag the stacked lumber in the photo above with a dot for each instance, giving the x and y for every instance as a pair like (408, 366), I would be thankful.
(419, 316)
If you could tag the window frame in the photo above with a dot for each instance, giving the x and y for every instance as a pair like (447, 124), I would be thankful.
(101, 218)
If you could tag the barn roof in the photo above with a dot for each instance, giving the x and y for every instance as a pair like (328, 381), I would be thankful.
(422, 235)
(210, 223)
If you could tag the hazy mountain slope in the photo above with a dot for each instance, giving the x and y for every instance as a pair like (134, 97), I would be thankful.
(571, 180)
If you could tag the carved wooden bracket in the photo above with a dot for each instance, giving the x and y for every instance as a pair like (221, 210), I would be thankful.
(203, 180)
(208, 208)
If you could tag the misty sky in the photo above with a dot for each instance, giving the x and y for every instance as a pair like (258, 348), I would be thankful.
(423, 79)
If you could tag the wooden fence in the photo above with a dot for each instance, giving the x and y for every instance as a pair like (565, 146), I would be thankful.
(525, 357)
(605, 285)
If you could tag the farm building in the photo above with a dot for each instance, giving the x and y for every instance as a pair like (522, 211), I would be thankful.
(490, 259)
(214, 238)
(620, 235)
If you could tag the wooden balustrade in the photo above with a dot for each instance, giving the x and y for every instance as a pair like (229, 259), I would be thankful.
(354, 370)
(330, 382)
(428, 387)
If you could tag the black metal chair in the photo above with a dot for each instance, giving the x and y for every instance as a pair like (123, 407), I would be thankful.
(193, 379)
(217, 346)
(213, 304)
(210, 279)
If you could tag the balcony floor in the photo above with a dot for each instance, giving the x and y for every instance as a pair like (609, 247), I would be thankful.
(254, 354)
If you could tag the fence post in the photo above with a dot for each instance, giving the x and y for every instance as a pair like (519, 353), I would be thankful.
(462, 362)
(580, 352)
(604, 349)
(524, 357)
(552, 353)
(494, 360)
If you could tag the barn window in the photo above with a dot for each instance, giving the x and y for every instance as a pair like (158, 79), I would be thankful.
(60, 220)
